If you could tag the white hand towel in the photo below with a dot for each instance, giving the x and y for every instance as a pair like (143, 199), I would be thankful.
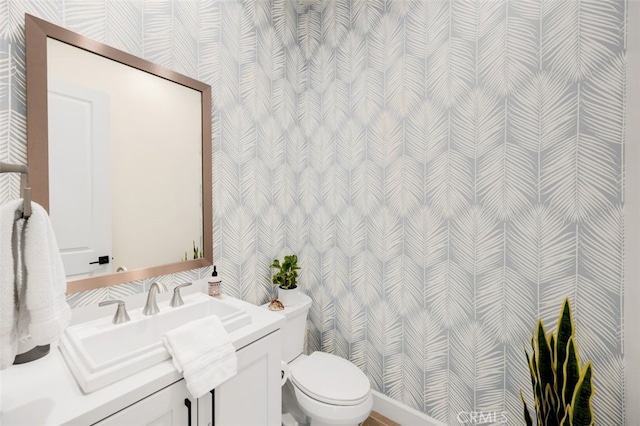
(203, 352)
(46, 284)
(8, 291)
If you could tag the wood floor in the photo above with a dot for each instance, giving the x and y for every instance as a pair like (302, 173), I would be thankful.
(377, 419)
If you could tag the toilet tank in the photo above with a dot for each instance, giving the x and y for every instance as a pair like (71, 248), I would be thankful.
(293, 332)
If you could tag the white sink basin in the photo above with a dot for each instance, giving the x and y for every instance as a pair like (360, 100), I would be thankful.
(100, 353)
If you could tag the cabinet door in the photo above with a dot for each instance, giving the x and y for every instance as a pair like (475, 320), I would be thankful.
(167, 407)
(252, 397)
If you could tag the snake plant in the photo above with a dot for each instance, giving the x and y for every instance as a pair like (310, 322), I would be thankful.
(562, 389)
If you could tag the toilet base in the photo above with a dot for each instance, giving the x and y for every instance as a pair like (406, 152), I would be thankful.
(288, 420)
(290, 406)
(322, 414)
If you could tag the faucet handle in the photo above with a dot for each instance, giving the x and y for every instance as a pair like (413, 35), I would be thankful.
(121, 313)
(176, 300)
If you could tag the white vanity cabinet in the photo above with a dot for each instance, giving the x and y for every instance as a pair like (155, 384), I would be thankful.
(167, 407)
(250, 398)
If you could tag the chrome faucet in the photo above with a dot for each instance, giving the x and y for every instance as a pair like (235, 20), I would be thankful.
(151, 307)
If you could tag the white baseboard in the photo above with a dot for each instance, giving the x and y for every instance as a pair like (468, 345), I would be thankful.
(400, 413)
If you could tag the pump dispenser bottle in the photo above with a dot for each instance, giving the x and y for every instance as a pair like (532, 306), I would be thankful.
(215, 283)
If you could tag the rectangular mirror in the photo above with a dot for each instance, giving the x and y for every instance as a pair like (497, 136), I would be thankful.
(119, 153)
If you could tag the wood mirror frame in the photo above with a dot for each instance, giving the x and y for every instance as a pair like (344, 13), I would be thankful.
(37, 31)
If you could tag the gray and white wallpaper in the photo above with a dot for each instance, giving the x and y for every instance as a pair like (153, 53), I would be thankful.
(447, 171)
(463, 174)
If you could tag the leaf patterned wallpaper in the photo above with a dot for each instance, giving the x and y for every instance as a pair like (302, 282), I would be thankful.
(464, 173)
(447, 171)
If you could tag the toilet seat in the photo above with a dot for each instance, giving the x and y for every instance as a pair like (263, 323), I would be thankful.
(330, 379)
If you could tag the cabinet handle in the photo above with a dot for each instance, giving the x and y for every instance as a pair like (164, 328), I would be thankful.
(188, 404)
(213, 407)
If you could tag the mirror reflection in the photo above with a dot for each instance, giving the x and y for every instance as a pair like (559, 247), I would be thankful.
(124, 157)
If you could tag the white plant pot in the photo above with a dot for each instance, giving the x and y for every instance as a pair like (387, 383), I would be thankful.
(288, 297)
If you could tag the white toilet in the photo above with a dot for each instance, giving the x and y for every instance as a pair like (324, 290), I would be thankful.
(328, 389)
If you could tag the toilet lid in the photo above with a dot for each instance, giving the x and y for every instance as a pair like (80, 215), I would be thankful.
(330, 379)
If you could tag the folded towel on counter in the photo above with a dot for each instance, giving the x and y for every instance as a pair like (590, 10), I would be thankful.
(9, 214)
(46, 284)
(203, 352)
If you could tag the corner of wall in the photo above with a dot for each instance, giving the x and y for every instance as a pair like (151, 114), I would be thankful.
(632, 218)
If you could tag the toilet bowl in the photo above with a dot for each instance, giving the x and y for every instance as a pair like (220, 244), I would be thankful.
(328, 389)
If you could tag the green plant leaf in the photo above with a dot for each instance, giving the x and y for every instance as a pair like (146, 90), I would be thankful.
(545, 366)
(565, 333)
(532, 371)
(554, 388)
(547, 411)
(537, 388)
(571, 371)
(551, 405)
(581, 413)
(526, 415)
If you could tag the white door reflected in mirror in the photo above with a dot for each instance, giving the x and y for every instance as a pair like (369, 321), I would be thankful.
(79, 169)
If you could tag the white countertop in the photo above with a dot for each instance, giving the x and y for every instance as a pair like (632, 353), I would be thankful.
(44, 392)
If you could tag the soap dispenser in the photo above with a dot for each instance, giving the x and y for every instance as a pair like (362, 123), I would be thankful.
(215, 283)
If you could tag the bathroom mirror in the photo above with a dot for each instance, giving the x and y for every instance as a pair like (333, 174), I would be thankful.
(119, 153)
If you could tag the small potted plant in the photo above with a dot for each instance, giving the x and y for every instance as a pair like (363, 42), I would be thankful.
(286, 278)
